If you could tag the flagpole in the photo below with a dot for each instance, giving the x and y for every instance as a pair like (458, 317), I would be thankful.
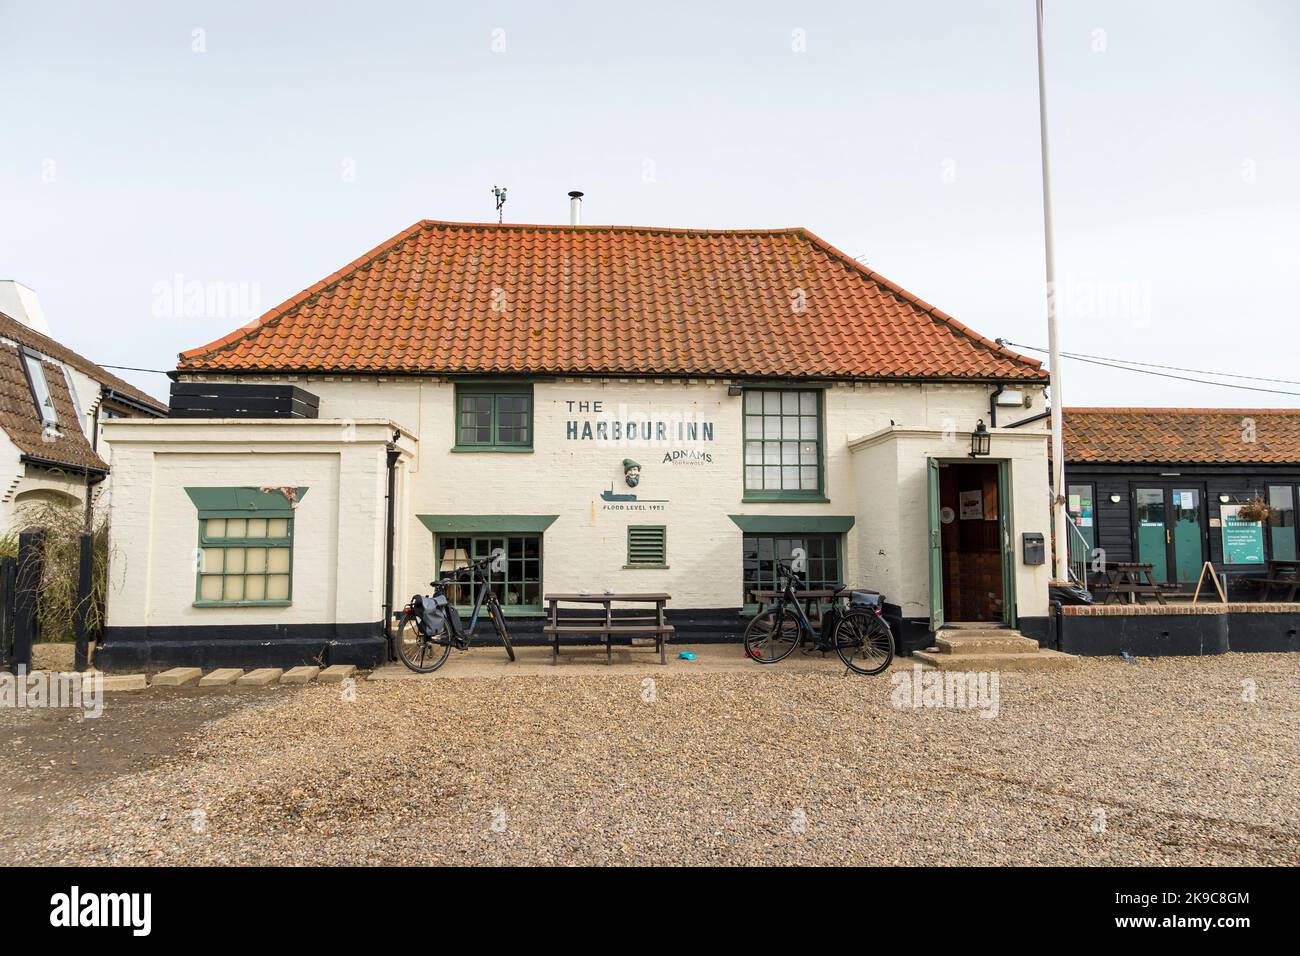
(1053, 344)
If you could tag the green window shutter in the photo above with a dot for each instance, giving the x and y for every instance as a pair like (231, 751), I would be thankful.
(647, 546)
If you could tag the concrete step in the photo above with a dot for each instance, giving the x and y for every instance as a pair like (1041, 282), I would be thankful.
(303, 674)
(261, 677)
(178, 677)
(984, 642)
(221, 677)
(1038, 660)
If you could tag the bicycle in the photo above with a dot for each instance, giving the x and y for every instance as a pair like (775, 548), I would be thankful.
(430, 625)
(858, 634)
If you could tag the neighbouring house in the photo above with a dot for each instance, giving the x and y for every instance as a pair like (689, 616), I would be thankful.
(53, 403)
(1181, 492)
(1163, 486)
(617, 408)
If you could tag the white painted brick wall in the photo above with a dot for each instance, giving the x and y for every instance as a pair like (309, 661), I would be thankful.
(338, 546)
(586, 547)
(338, 554)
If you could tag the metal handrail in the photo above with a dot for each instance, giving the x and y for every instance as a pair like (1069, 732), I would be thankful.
(1080, 552)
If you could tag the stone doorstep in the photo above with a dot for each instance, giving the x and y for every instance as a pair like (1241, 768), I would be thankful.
(262, 677)
(337, 673)
(988, 642)
(1039, 660)
(221, 677)
(178, 677)
(303, 674)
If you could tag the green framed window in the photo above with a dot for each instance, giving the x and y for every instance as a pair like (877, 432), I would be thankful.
(245, 561)
(647, 546)
(494, 418)
(760, 553)
(245, 552)
(783, 444)
(519, 587)
(1281, 522)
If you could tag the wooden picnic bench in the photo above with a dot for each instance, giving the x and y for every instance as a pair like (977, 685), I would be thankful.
(1282, 573)
(614, 621)
(1128, 581)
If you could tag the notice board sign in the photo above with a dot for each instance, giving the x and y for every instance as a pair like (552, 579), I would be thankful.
(1243, 541)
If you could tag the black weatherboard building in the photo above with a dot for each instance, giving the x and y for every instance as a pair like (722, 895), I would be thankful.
(1166, 487)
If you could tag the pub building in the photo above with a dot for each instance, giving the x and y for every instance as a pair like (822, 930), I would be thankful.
(619, 409)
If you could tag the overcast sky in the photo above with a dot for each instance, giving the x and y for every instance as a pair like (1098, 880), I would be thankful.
(254, 148)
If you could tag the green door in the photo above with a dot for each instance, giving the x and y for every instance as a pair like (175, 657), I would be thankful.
(1152, 535)
(1188, 540)
(1170, 533)
(936, 549)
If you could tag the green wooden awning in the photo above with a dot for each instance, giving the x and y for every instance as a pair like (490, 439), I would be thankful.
(241, 502)
(487, 524)
(793, 524)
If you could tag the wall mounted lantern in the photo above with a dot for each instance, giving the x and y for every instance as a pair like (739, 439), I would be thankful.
(980, 440)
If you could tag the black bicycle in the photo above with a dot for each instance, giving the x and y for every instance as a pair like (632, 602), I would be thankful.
(857, 633)
(430, 625)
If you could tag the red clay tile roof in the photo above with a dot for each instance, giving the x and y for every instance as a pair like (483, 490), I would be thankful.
(447, 297)
(1182, 435)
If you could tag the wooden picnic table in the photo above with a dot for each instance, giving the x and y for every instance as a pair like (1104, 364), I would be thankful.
(1282, 573)
(615, 621)
(1128, 581)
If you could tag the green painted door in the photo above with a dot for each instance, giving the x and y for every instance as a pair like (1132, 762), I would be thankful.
(1170, 533)
(1008, 545)
(1188, 540)
(935, 548)
(1152, 535)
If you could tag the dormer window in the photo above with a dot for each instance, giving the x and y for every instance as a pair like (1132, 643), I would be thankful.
(40, 389)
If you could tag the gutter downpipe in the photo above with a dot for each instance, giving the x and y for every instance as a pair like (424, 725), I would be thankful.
(389, 546)
(993, 405)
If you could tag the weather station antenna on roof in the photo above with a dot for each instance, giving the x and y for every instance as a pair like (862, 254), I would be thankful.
(499, 193)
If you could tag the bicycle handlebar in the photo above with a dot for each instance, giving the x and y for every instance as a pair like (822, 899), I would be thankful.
(467, 571)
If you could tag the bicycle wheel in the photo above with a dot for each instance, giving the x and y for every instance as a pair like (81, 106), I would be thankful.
(771, 636)
(864, 642)
(424, 655)
(499, 622)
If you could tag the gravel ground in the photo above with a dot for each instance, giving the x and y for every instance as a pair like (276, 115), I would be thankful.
(1164, 758)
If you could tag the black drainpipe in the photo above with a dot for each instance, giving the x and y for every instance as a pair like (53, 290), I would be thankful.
(390, 537)
(993, 406)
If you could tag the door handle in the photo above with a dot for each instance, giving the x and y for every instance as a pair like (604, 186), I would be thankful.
(1169, 536)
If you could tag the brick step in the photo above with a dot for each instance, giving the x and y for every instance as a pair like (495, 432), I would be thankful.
(1039, 660)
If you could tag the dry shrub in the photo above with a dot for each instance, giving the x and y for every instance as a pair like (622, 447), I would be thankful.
(56, 599)
(1256, 509)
